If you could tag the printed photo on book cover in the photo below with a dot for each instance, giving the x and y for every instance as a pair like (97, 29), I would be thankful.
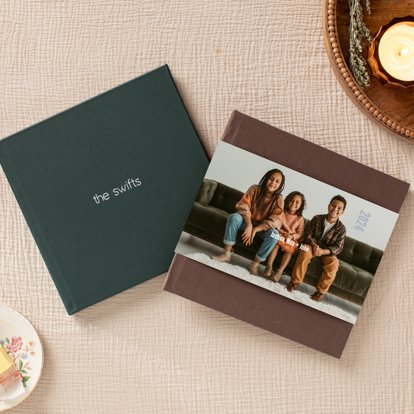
(286, 232)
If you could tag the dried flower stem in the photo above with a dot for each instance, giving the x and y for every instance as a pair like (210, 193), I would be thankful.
(359, 35)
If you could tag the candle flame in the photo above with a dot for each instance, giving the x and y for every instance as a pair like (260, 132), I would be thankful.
(403, 52)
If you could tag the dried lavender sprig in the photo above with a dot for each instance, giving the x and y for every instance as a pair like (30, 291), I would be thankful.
(358, 35)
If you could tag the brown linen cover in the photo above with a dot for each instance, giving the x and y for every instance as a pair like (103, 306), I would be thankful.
(252, 304)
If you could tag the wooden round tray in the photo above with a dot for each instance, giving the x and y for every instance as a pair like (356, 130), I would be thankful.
(392, 107)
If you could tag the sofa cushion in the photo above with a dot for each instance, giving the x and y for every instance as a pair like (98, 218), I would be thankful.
(361, 255)
(225, 198)
(206, 191)
(210, 219)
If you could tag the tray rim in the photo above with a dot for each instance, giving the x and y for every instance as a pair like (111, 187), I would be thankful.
(346, 79)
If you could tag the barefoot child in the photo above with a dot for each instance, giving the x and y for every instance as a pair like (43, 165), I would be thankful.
(324, 237)
(259, 212)
(291, 230)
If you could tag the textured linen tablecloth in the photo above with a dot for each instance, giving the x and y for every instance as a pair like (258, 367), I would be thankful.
(147, 351)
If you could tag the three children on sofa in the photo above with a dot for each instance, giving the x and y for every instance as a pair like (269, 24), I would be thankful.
(262, 212)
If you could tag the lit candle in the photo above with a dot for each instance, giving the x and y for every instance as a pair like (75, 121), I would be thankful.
(396, 51)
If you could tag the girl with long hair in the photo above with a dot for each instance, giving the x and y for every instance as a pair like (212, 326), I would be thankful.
(259, 213)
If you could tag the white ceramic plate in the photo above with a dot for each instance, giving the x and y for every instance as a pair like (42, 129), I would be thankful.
(22, 342)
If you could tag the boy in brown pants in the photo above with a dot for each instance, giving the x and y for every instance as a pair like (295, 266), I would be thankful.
(324, 237)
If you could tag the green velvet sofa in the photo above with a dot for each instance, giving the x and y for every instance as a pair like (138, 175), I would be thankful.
(358, 261)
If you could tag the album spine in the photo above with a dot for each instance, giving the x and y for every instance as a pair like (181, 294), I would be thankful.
(38, 234)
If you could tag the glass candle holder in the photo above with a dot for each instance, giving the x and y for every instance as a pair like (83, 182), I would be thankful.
(391, 52)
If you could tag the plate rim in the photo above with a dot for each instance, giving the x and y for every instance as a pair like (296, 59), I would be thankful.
(17, 401)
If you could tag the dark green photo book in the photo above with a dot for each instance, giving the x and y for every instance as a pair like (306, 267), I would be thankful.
(107, 185)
